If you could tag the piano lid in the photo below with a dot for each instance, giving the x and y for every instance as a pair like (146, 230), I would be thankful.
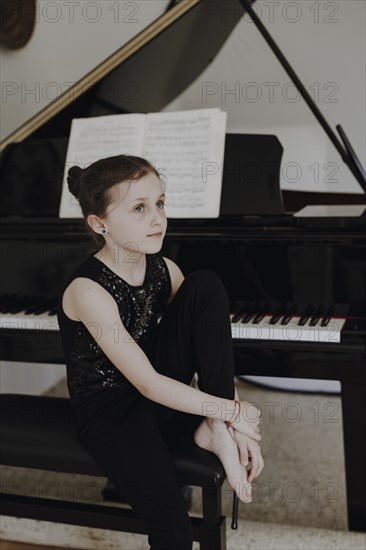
(170, 53)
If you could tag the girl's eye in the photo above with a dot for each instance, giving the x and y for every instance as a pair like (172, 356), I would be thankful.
(139, 207)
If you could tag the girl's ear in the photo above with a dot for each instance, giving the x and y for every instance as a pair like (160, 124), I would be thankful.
(95, 223)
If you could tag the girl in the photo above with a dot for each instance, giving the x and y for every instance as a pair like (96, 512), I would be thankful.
(129, 375)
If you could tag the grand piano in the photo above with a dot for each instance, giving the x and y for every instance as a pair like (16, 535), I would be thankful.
(296, 284)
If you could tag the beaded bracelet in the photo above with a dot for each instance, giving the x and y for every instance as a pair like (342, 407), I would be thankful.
(229, 422)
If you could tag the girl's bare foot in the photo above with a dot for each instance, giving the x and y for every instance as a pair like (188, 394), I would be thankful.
(214, 436)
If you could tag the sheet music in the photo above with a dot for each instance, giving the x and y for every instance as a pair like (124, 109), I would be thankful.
(187, 148)
(95, 138)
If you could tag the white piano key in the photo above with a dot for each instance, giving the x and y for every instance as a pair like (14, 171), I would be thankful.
(291, 332)
(23, 321)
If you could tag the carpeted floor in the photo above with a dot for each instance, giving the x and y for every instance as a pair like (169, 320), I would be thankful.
(299, 499)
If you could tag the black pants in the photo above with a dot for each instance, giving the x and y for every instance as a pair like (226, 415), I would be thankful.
(129, 435)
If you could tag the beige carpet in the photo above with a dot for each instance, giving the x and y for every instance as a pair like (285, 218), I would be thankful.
(299, 500)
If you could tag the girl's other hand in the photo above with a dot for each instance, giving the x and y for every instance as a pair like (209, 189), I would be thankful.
(247, 421)
(250, 453)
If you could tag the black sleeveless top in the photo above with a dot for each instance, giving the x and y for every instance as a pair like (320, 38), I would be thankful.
(89, 370)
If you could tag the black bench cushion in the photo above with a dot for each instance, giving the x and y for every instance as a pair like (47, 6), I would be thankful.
(38, 432)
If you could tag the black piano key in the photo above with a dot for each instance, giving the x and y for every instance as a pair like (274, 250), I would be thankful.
(8, 301)
(253, 310)
(248, 317)
(15, 309)
(280, 311)
(53, 306)
(258, 318)
(304, 318)
(43, 306)
(4, 302)
(328, 314)
(31, 303)
(3, 299)
(316, 317)
(291, 312)
(238, 315)
(42, 309)
(262, 313)
(29, 308)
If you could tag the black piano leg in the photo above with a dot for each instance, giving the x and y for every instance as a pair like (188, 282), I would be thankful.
(354, 430)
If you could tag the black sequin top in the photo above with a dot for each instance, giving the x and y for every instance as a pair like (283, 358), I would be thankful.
(88, 369)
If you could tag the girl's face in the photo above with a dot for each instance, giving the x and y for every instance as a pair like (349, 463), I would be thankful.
(136, 218)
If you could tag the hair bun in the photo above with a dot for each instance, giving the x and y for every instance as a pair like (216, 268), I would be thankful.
(74, 179)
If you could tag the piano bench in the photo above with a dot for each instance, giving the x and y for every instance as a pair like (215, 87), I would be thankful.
(38, 432)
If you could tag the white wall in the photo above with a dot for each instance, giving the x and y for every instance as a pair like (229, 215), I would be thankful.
(325, 44)
(70, 39)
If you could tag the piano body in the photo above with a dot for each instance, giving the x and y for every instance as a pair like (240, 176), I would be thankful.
(296, 285)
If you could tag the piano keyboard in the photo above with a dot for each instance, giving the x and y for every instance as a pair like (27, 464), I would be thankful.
(29, 322)
(287, 322)
(249, 321)
(291, 332)
(28, 313)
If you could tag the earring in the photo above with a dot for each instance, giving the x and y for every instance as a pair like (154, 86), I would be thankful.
(104, 231)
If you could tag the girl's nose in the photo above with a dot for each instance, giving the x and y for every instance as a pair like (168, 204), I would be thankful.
(158, 217)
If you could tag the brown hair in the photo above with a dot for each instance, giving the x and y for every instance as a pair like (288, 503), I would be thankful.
(90, 186)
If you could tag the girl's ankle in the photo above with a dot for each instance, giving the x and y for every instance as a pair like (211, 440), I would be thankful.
(213, 422)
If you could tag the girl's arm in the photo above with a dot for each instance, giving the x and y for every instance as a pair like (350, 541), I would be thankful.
(98, 311)
(176, 277)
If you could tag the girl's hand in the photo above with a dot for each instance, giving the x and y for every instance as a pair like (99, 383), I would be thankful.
(250, 453)
(247, 421)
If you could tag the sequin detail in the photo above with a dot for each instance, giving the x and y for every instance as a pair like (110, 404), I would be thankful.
(88, 368)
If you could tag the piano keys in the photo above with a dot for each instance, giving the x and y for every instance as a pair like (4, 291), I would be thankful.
(263, 322)
(249, 321)
(28, 313)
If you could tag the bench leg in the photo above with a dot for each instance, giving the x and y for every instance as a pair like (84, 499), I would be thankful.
(213, 529)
